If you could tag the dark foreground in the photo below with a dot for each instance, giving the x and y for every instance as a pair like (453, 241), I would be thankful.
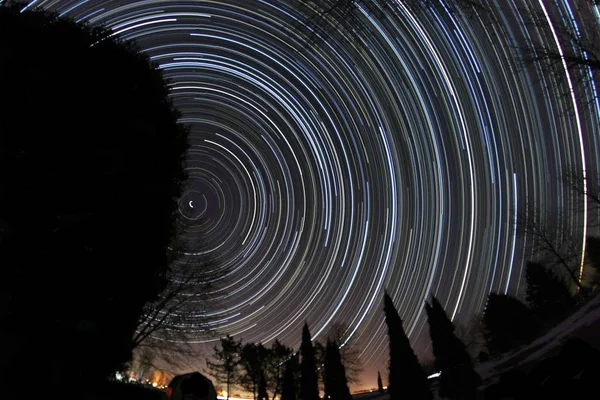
(123, 391)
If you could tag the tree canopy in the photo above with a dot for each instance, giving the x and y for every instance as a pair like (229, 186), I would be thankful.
(91, 164)
(508, 323)
(547, 294)
(226, 362)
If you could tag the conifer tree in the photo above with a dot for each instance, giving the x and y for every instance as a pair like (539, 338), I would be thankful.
(407, 379)
(289, 387)
(379, 383)
(334, 375)
(547, 295)
(458, 379)
(309, 384)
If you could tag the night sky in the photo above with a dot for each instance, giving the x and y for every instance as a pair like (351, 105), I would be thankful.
(392, 158)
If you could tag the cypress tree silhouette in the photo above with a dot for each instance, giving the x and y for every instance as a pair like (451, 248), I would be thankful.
(309, 384)
(406, 378)
(547, 295)
(379, 383)
(289, 389)
(458, 379)
(334, 376)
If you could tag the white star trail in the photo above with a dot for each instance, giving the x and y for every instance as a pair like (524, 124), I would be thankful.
(393, 158)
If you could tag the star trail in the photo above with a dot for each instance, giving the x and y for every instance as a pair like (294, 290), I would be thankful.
(392, 158)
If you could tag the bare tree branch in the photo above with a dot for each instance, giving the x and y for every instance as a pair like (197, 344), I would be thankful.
(180, 314)
(552, 243)
(578, 48)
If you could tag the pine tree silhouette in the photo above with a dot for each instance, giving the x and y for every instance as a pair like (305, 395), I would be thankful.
(334, 376)
(309, 385)
(458, 379)
(407, 380)
(289, 386)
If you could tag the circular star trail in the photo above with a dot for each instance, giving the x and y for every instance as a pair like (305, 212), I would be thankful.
(392, 158)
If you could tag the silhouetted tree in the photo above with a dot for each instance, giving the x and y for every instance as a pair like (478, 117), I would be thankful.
(583, 184)
(577, 50)
(458, 379)
(550, 243)
(406, 377)
(262, 387)
(85, 216)
(547, 294)
(379, 383)
(278, 354)
(309, 383)
(593, 253)
(289, 387)
(349, 351)
(253, 360)
(168, 325)
(225, 369)
(508, 323)
(471, 334)
(334, 374)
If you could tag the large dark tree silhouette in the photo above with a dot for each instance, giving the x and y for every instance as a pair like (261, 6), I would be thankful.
(274, 370)
(458, 379)
(253, 361)
(90, 166)
(309, 382)
(334, 374)
(349, 351)
(406, 378)
(289, 386)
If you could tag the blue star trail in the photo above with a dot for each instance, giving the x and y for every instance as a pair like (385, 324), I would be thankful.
(391, 158)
